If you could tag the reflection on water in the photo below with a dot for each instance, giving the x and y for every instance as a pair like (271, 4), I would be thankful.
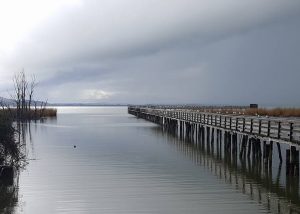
(8, 198)
(249, 175)
(14, 159)
(126, 165)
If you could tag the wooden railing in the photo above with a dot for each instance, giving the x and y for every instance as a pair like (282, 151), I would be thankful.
(276, 128)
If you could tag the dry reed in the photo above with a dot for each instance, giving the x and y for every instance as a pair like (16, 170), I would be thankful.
(272, 112)
(32, 114)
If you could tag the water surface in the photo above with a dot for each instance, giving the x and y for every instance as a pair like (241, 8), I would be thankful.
(122, 164)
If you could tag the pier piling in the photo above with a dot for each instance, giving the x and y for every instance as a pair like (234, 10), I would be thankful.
(249, 138)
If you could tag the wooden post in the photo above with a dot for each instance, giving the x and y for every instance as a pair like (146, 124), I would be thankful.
(220, 140)
(203, 135)
(208, 139)
(181, 129)
(228, 142)
(265, 151)
(243, 147)
(259, 148)
(297, 163)
(186, 129)
(293, 159)
(288, 161)
(291, 131)
(279, 130)
(234, 143)
(225, 141)
(267, 154)
(292, 162)
(270, 157)
(249, 147)
(279, 151)
(253, 149)
(212, 139)
(199, 134)
(269, 128)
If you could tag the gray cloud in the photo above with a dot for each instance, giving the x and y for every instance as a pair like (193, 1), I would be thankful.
(224, 52)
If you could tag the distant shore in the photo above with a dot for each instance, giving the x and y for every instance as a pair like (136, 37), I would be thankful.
(85, 104)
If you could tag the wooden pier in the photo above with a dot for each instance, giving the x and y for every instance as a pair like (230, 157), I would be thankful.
(258, 134)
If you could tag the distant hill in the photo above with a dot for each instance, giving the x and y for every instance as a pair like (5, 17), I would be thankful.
(6, 101)
(11, 102)
(85, 104)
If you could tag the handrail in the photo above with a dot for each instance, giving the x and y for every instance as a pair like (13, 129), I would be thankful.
(276, 128)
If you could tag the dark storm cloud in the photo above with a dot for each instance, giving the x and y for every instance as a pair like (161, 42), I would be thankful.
(229, 52)
(79, 73)
(104, 30)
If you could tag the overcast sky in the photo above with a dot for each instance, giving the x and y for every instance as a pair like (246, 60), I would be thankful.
(154, 51)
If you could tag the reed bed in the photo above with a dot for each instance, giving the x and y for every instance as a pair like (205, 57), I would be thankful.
(48, 112)
(32, 114)
(274, 112)
(271, 112)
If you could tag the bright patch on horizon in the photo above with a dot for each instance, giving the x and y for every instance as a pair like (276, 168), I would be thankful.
(95, 94)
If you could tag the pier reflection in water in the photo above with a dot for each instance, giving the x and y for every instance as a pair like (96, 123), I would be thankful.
(263, 181)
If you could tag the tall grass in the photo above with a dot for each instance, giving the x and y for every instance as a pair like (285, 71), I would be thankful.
(32, 114)
(48, 112)
(273, 112)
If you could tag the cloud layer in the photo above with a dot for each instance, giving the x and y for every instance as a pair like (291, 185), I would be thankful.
(141, 51)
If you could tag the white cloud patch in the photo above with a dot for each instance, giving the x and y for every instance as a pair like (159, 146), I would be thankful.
(95, 94)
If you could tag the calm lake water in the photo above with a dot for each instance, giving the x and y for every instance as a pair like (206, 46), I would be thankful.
(122, 164)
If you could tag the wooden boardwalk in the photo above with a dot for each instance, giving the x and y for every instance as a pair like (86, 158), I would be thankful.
(257, 133)
(285, 130)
